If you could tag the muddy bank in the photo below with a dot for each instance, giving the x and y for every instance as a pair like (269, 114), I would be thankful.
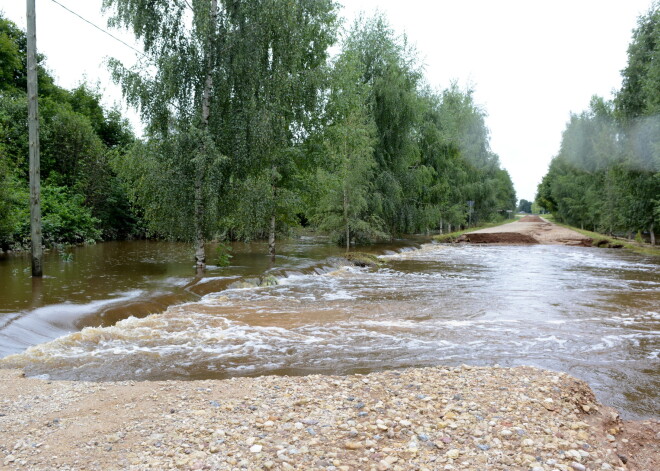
(416, 419)
(527, 230)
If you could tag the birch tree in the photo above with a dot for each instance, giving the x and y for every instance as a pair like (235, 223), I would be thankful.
(347, 177)
(182, 43)
(277, 76)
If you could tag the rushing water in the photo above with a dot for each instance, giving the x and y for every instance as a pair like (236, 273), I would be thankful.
(593, 313)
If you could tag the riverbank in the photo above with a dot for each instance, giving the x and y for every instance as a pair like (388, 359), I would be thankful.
(433, 418)
(604, 240)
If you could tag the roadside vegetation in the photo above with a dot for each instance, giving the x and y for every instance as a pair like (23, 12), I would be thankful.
(83, 199)
(606, 176)
(250, 132)
(608, 241)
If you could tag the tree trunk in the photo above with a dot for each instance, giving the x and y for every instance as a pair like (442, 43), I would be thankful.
(346, 225)
(652, 233)
(271, 232)
(200, 257)
(271, 237)
(33, 133)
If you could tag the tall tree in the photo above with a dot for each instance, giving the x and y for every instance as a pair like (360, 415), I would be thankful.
(182, 43)
(348, 174)
(392, 74)
(607, 173)
(525, 206)
(277, 73)
(244, 77)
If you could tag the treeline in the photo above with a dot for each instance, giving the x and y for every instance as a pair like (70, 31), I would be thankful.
(606, 176)
(252, 128)
(82, 198)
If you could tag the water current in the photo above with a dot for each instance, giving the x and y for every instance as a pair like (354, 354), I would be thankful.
(133, 310)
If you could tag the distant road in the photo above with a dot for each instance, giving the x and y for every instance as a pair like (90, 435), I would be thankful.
(527, 230)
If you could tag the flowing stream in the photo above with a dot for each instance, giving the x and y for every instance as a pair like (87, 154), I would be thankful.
(132, 310)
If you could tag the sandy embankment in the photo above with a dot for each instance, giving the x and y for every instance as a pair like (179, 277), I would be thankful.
(527, 230)
(463, 418)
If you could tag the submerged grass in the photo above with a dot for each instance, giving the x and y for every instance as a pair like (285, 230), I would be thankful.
(605, 241)
(362, 259)
(602, 240)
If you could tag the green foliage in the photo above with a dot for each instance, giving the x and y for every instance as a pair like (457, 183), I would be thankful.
(12, 197)
(430, 153)
(10, 54)
(223, 255)
(607, 173)
(343, 208)
(13, 63)
(246, 123)
(640, 90)
(362, 259)
(77, 138)
(277, 76)
(158, 175)
(525, 206)
(249, 205)
(265, 63)
(66, 256)
(65, 219)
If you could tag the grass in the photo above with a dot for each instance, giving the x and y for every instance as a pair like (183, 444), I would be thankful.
(605, 241)
(362, 259)
(452, 236)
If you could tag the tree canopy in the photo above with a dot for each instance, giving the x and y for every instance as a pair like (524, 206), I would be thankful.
(83, 199)
(252, 127)
(606, 175)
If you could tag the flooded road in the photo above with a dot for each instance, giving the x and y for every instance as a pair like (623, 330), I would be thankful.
(593, 313)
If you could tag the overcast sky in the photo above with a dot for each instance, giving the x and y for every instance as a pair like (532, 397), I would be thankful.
(530, 63)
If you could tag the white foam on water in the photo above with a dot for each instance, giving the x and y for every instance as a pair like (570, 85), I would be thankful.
(171, 281)
(414, 254)
(338, 294)
(392, 323)
(552, 338)
(207, 279)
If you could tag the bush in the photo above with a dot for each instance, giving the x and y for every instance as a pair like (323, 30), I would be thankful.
(12, 197)
(64, 219)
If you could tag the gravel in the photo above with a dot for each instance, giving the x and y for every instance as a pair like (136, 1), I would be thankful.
(465, 418)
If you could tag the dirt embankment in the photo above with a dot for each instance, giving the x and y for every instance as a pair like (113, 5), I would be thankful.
(463, 418)
(527, 230)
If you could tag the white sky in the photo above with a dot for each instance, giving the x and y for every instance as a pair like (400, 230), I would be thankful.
(531, 62)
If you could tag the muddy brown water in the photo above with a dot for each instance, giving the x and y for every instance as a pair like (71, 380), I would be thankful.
(133, 310)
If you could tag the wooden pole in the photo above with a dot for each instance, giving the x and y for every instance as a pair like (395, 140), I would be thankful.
(33, 130)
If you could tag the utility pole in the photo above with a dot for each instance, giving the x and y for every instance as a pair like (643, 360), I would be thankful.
(33, 130)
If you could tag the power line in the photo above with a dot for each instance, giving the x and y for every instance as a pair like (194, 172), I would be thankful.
(100, 29)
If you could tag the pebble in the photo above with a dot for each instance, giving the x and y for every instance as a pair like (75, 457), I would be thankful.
(353, 445)
(453, 454)
(422, 419)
